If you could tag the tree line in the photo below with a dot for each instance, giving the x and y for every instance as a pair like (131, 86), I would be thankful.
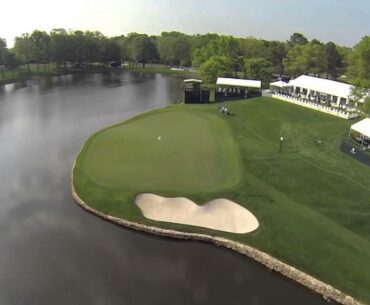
(212, 54)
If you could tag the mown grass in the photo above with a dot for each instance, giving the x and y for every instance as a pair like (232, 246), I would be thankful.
(312, 201)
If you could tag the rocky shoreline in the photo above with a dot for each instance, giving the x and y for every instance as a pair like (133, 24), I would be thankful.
(328, 292)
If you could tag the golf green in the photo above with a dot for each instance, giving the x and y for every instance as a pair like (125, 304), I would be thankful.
(174, 149)
(311, 200)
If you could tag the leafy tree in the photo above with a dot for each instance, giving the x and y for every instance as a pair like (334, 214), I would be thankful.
(143, 50)
(61, 46)
(366, 106)
(11, 61)
(174, 50)
(85, 46)
(110, 51)
(293, 63)
(315, 41)
(276, 52)
(297, 39)
(252, 47)
(199, 41)
(359, 68)
(314, 58)
(3, 54)
(360, 98)
(224, 46)
(214, 67)
(345, 54)
(41, 47)
(24, 49)
(306, 58)
(258, 68)
(333, 60)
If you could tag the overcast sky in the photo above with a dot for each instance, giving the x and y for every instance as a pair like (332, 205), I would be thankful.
(342, 21)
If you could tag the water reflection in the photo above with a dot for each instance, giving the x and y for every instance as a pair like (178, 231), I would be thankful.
(53, 252)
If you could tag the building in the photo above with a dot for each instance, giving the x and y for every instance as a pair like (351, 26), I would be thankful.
(234, 88)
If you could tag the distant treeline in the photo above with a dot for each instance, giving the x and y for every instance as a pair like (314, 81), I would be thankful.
(212, 54)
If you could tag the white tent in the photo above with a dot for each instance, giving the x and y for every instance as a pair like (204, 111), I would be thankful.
(321, 85)
(280, 84)
(362, 127)
(236, 82)
(193, 80)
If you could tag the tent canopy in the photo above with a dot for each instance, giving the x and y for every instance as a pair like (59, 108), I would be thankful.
(280, 84)
(322, 85)
(362, 127)
(236, 82)
(193, 80)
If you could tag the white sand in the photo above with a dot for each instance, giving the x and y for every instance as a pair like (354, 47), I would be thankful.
(218, 214)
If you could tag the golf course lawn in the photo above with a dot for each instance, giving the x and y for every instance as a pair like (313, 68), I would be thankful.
(311, 200)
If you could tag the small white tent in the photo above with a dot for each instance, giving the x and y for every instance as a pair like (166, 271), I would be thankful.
(362, 127)
(280, 84)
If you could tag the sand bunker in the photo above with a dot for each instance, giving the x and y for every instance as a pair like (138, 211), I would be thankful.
(219, 214)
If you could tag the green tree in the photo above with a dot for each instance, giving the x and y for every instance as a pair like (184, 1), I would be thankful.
(314, 58)
(174, 50)
(333, 60)
(253, 48)
(297, 39)
(24, 49)
(258, 69)
(3, 54)
(306, 58)
(224, 46)
(41, 47)
(216, 66)
(61, 46)
(359, 68)
(366, 106)
(141, 48)
(110, 51)
(121, 42)
(276, 52)
(360, 98)
(294, 62)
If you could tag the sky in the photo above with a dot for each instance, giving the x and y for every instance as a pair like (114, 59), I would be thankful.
(343, 21)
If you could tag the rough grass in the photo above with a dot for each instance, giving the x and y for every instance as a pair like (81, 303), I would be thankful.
(312, 201)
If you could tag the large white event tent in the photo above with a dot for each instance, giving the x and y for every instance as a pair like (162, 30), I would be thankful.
(361, 129)
(312, 86)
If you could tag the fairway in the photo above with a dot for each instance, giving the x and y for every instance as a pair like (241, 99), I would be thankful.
(311, 200)
(173, 149)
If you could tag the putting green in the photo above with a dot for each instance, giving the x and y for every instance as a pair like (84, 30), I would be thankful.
(173, 149)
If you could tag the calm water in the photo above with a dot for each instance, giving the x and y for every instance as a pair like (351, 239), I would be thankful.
(52, 252)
